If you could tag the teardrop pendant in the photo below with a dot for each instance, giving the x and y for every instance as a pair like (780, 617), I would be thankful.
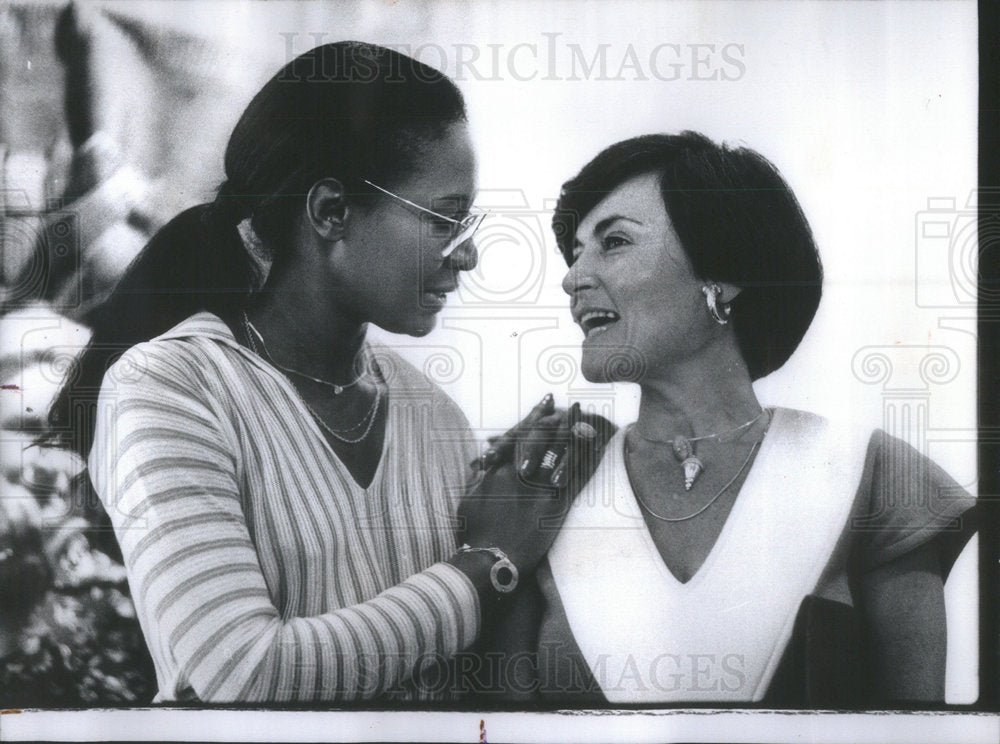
(692, 469)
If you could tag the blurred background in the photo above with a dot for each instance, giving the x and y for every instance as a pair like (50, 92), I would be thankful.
(868, 109)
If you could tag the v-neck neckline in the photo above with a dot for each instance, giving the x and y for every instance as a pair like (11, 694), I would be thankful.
(207, 324)
(388, 404)
(736, 513)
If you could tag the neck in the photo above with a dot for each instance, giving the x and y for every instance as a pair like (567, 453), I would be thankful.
(304, 333)
(702, 395)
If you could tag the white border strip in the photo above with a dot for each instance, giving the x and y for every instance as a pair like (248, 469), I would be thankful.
(581, 727)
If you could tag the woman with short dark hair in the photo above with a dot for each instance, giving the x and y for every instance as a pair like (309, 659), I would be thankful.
(738, 222)
(284, 492)
(722, 551)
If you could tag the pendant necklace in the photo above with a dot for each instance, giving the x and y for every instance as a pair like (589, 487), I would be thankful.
(252, 331)
(710, 501)
(368, 418)
(684, 451)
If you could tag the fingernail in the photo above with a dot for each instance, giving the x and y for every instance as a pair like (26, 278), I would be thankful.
(559, 477)
(583, 430)
(489, 458)
(524, 466)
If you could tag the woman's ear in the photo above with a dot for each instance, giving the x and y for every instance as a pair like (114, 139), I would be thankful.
(326, 208)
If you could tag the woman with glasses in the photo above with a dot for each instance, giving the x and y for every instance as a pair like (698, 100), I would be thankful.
(283, 491)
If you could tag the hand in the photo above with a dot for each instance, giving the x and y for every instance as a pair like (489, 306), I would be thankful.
(526, 442)
(530, 477)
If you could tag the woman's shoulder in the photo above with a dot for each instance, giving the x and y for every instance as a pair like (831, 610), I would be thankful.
(893, 455)
(794, 431)
(810, 422)
(185, 356)
(903, 474)
(193, 337)
(904, 499)
(911, 500)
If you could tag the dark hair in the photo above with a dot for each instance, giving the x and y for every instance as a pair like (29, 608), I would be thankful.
(347, 110)
(738, 222)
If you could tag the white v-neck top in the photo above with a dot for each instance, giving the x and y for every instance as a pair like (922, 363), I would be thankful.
(719, 635)
(820, 499)
(260, 569)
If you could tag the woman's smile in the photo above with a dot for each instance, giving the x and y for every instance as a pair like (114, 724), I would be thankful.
(596, 321)
(632, 287)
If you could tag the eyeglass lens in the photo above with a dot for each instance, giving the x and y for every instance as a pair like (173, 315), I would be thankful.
(468, 227)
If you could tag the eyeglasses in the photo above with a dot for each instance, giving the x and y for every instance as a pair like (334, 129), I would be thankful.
(459, 230)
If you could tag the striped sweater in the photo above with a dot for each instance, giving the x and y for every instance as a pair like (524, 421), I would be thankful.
(260, 570)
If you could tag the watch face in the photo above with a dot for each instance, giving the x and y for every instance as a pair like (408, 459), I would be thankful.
(503, 576)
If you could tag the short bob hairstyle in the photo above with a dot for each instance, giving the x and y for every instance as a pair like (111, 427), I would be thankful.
(738, 222)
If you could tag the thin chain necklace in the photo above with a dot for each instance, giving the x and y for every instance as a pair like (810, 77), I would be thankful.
(716, 435)
(710, 501)
(369, 417)
(252, 331)
(684, 449)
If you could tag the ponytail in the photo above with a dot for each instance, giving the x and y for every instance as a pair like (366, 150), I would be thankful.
(349, 109)
(196, 262)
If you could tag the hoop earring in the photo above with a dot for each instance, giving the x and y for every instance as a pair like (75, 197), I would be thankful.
(718, 310)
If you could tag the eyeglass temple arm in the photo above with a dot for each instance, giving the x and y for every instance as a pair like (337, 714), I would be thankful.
(412, 204)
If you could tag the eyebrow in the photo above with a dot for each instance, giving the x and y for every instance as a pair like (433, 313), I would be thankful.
(607, 222)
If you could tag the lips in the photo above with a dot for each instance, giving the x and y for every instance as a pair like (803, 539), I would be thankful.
(594, 321)
(435, 299)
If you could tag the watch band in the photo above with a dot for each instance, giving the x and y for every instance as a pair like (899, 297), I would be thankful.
(503, 574)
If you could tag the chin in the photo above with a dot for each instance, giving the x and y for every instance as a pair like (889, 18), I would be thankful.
(420, 332)
(593, 370)
(419, 325)
(612, 364)
(416, 324)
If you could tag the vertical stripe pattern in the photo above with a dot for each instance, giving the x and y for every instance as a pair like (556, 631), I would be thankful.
(261, 571)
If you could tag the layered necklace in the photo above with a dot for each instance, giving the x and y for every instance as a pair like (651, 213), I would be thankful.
(367, 421)
(711, 501)
(684, 449)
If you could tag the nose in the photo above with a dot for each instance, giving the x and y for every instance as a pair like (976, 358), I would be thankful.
(465, 257)
(578, 277)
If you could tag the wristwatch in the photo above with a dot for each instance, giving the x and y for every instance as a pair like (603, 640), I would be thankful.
(503, 574)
